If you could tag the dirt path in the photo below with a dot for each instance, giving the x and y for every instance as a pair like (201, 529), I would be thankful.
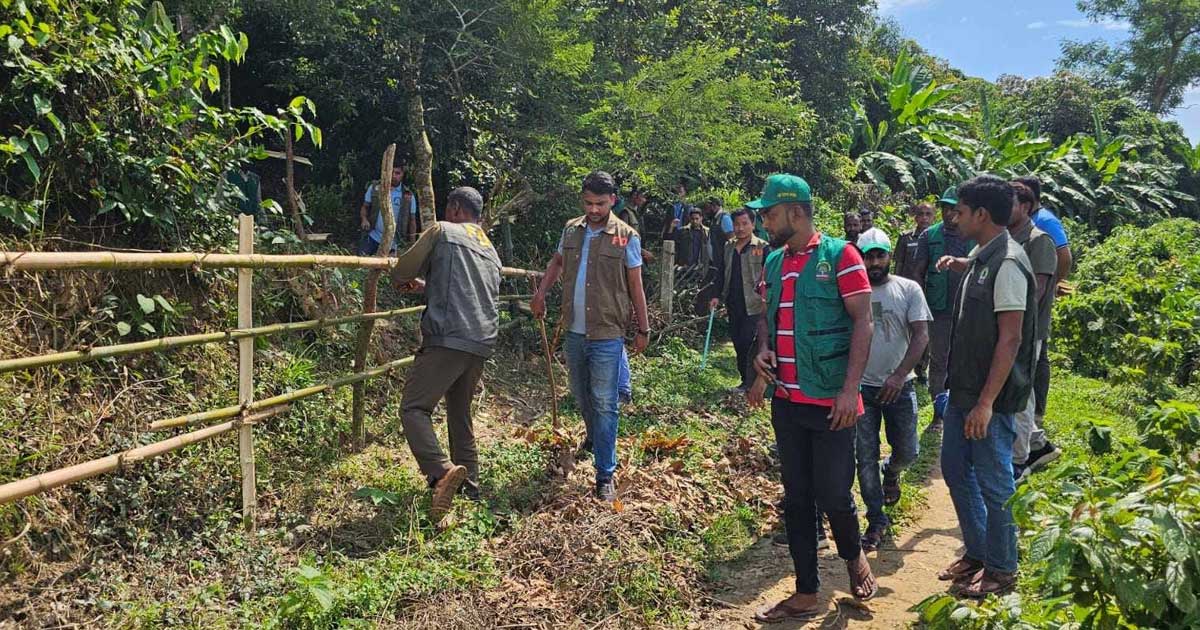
(906, 567)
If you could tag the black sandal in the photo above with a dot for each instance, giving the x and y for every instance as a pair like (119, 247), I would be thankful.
(962, 568)
(991, 583)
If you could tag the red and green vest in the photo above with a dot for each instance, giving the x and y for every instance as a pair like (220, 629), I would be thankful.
(822, 326)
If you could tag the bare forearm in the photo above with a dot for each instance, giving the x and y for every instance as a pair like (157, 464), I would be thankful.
(916, 349)
(638, 295)
(553, 271)
(1065, 260)
(1002, 362)
(764, 333)
(860, 348)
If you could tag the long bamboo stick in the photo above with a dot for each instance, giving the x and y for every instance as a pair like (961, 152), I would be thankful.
(245, 316)
(183, 341)
(233, 410)
(14, 490)
(52, 261)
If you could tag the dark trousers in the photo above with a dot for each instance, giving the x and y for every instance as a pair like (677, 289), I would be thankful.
(1041, 380)
(742, 330)
(818, 471)
(439, 373)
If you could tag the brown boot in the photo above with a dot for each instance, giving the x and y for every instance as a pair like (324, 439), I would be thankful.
(444, 491)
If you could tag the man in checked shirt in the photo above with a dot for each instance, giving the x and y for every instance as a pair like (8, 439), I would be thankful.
(813, 347)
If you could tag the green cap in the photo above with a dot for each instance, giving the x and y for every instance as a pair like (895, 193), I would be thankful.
(782, 188)
(950, 197)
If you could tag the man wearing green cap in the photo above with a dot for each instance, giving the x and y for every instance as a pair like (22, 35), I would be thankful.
(813, 345)
(941, 239)
(901, 334)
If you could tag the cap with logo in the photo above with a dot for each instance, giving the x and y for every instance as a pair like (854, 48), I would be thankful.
(874, 239)
(782, 188)
(950, 197)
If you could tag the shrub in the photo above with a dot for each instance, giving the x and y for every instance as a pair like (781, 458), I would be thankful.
(109, 118)
(1135, 314)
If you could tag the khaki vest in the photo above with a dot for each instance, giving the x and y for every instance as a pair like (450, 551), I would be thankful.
(606, 295)
(752, 270)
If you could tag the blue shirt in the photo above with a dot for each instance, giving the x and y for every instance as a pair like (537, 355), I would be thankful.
(397, 200)
(1047, 222)
(633, 260)
(726, 225)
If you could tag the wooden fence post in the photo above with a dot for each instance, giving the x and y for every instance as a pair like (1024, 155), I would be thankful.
(506, 230)
(666, 281)
(246, 374)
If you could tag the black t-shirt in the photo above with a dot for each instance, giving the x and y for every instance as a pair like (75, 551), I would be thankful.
(735, 298)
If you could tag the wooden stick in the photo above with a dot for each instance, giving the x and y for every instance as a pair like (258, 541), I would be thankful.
(290, 156)
(370, 295)
(245, 315)
(292, 396)
(549, 373)
(14, 490)
(111, 261)
(666, 280)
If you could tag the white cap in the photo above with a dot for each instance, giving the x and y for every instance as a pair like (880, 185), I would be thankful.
(874, 238)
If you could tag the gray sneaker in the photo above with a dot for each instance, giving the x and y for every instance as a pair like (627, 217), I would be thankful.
(606, 490)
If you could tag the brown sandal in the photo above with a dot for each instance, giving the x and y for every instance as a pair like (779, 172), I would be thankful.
(991, 583)
(783, 612)
(962, 568)
(859, 579)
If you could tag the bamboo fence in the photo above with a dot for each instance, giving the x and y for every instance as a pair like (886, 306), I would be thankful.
(247, 412)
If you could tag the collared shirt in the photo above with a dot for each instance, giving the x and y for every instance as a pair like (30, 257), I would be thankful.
(633, 260)
(1009, 291)
(1048, 222)
(852, 280)
(397, 201)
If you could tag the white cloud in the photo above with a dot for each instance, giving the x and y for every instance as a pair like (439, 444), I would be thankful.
(890, 6)
(1035, 25)
(1106, 24)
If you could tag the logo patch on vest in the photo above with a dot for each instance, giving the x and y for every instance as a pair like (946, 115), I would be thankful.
(983, 276)
(824, 271)
(620, 241)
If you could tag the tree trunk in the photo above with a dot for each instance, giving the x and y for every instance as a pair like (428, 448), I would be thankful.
(1162, 81)
(422, 150)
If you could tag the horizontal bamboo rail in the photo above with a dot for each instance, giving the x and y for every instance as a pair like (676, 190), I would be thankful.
(56, 261)
(233, 410)
(183, 341)
(46, 481)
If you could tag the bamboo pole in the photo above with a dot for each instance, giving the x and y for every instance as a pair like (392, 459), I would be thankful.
(37, 484)
(290, 179)
(666, 280)
(288, 397)
(246, 372)
(183, 341)
(370, 293)
(112, 261)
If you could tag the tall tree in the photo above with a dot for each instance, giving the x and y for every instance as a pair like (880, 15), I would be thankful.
(1159, 61)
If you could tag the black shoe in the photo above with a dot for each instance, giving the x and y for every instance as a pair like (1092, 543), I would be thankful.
(606, 490)
(1020, 472)
(780, 540)
(1039, 458)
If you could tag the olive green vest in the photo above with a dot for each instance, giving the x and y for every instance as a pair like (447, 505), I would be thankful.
(976, 331)
(752, 271)
(607, 293)
(822, 328)
(462, 291)
(937, 283)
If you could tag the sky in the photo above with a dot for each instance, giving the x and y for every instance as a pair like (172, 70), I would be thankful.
(1022, 37)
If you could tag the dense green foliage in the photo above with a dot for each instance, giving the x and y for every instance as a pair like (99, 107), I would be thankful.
(1112, 538)
(112, 121)
(1135, 316)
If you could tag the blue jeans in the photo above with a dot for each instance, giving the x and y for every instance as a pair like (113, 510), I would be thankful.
(593, 367)
(624, 378)
(899, 419)
(979, 476)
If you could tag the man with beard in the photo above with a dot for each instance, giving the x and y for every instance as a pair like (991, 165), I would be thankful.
(905, 254)
(599, 260)
(813, 345)
(901, 333)
(852, 226)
